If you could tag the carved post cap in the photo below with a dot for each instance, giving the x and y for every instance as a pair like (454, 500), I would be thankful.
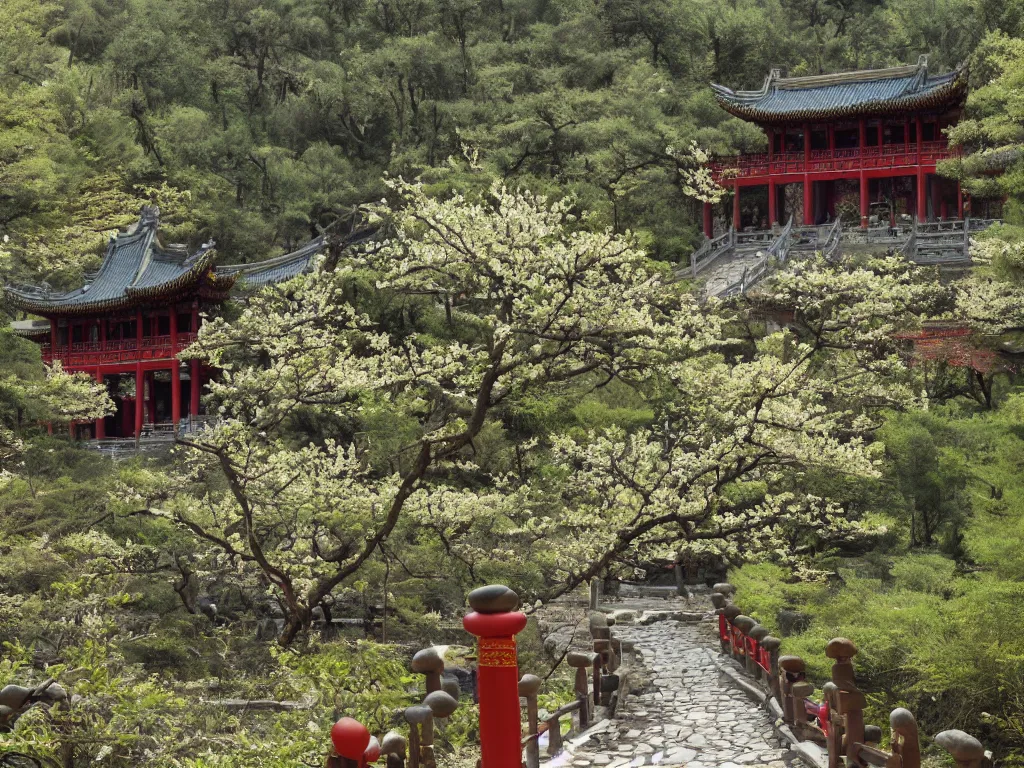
(494, 598)
(579, 659)
(724, 588)
(771, 643)
(731, 611)
(872, 734)
(441, 704)
(962, 746)
(393, 744)
(743, 623)
(718, 599)
(792, 664)
(427, 660)
(759, 632)
(803, 689)
(598, 620)
(840, 648)
(418, 714)
(529, 685)
(903, 722)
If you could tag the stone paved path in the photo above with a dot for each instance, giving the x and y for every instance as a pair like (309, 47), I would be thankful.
(685, 715)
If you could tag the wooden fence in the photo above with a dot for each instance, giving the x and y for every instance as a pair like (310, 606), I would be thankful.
(836, 722)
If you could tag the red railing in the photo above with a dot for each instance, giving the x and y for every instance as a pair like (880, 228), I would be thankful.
(89, 354)
(827, 161)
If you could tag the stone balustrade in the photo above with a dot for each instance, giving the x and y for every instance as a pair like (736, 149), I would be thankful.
(837, 721)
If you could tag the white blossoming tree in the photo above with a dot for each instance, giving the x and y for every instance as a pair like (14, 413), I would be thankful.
(464, 311)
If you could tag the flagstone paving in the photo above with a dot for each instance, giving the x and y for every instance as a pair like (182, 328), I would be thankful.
(685, 716)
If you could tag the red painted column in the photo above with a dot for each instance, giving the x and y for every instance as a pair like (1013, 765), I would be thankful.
(832, 139)
(865, 207)
(53, 338)
(922, 209)
(906, 136)
(936, 204)
(808, 200)
(138, 331)
(709, 224)
(140, 393)
(151, 400)
(103, 334)
(773, 202)
(881, 135)
(862, 135)
(495, 622)
(959, 201)
(736, 207)
(101, 426)
(193, 404)
(175, 393)
(919, 128)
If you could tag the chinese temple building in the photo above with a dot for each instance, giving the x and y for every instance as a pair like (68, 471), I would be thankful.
(873, 135)
(127, 325)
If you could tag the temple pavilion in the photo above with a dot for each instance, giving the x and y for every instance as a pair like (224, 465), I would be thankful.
(133, 317)
(872, 136)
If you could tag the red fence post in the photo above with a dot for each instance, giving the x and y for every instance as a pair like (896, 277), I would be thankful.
(495, 622)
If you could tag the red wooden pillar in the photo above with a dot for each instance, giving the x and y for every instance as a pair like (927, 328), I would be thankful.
(773, 202)
(140, 393)
(906, 136)
(865, 207)
(881, 136)
(922, 209)
(138, 331)
(709, 225)
(495, 622)
(53, 340)
(194, 386)
(959, 201)
(832, 139)
(71, 334)
(919, 129)
(103, 334)
(151, 400)
(771, 147)
(862, 135)
(936, 200)
(175, 370)
(101, 426)
(736, 207)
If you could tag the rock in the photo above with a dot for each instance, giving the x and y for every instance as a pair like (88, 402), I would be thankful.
(962, 746)
(451, 686)
(731, 611)
(14, 696)
(494, 598)
(792, 622)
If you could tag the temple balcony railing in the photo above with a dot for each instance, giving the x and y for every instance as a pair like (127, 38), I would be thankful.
(754, 165)
(89, 354)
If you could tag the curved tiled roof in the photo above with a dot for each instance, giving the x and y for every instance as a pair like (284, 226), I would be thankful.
(846, 94)
(135, 268)
(276, 270)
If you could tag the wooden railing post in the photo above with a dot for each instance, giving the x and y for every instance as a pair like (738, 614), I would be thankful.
(744, 624)
(905, 740)
(529, 685)
(730, 612)
(756, 634)
(583, 662)
(430, 664)
(851, 701)
(393, 746)
(791, 670)
(772, 645)
(416, 716)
